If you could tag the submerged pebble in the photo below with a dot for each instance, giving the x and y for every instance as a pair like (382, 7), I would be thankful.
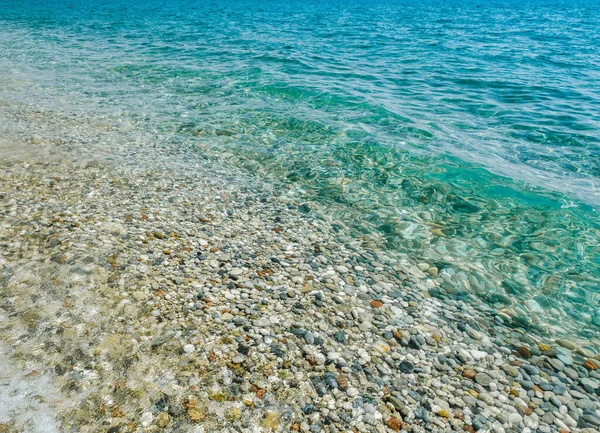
(267, 320)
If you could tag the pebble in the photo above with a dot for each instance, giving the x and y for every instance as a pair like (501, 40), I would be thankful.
(406, 367)
(340, 337)
(483, 379)
(556, 364)
(515, 419)
(567, 344)
(264, 314)
(559, 389)
(527, 384)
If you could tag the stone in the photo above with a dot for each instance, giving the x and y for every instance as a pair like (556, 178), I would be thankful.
(557, 364)
(420, 413)
(478, 355)
(342, 269)
(524, 352)
(138, 295)
(162, 419)
(406, 367)
(146, 419)
(559, 389)
(567, 344)
(483, 379)
(236, 272)
(530, 369)
(515, 419)
(394, 424)
(469, 374)
(486, 398)
(548, 418)
(511, 370)
(376, 303)
(398, 405)
(585, 403)
(527, 384)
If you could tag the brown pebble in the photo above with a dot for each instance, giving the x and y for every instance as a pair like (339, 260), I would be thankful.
(394, 424)
(342, 382)
(469, 374)
(189, 402)
(196, 415)
(524, 352)
(376, 304)
(590, 365)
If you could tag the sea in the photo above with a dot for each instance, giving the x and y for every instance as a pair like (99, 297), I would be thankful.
(462, 134)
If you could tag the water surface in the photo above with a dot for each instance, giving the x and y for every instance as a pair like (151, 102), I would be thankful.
(463, 134)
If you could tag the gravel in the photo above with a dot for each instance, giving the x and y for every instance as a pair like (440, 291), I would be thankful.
(163, 299)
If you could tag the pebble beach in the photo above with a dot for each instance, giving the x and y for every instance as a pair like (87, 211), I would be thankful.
(290, 216)
(151, 300)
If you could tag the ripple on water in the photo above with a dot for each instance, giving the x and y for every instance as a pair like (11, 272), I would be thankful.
(468, 142)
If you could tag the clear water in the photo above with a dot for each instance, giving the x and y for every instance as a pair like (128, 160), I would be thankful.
(465, 134)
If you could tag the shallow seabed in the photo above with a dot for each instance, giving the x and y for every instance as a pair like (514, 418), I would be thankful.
(184, 296)
(463, 134)
(298, 217)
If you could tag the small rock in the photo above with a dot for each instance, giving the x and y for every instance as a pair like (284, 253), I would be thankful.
(524, 352)
(566, 344)
(376, 304)
(406, 367)
(483, 379)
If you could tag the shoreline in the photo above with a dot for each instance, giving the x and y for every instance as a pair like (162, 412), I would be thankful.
(465, 262)
(162, 300)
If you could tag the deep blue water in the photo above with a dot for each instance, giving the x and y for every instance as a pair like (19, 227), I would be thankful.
(465, 134)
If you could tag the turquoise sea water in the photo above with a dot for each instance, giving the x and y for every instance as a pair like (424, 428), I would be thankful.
(464, 134)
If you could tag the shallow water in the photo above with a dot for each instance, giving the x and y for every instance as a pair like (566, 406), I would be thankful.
(463, 134)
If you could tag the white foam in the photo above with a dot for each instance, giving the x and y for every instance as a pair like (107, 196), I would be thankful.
(26, 402)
